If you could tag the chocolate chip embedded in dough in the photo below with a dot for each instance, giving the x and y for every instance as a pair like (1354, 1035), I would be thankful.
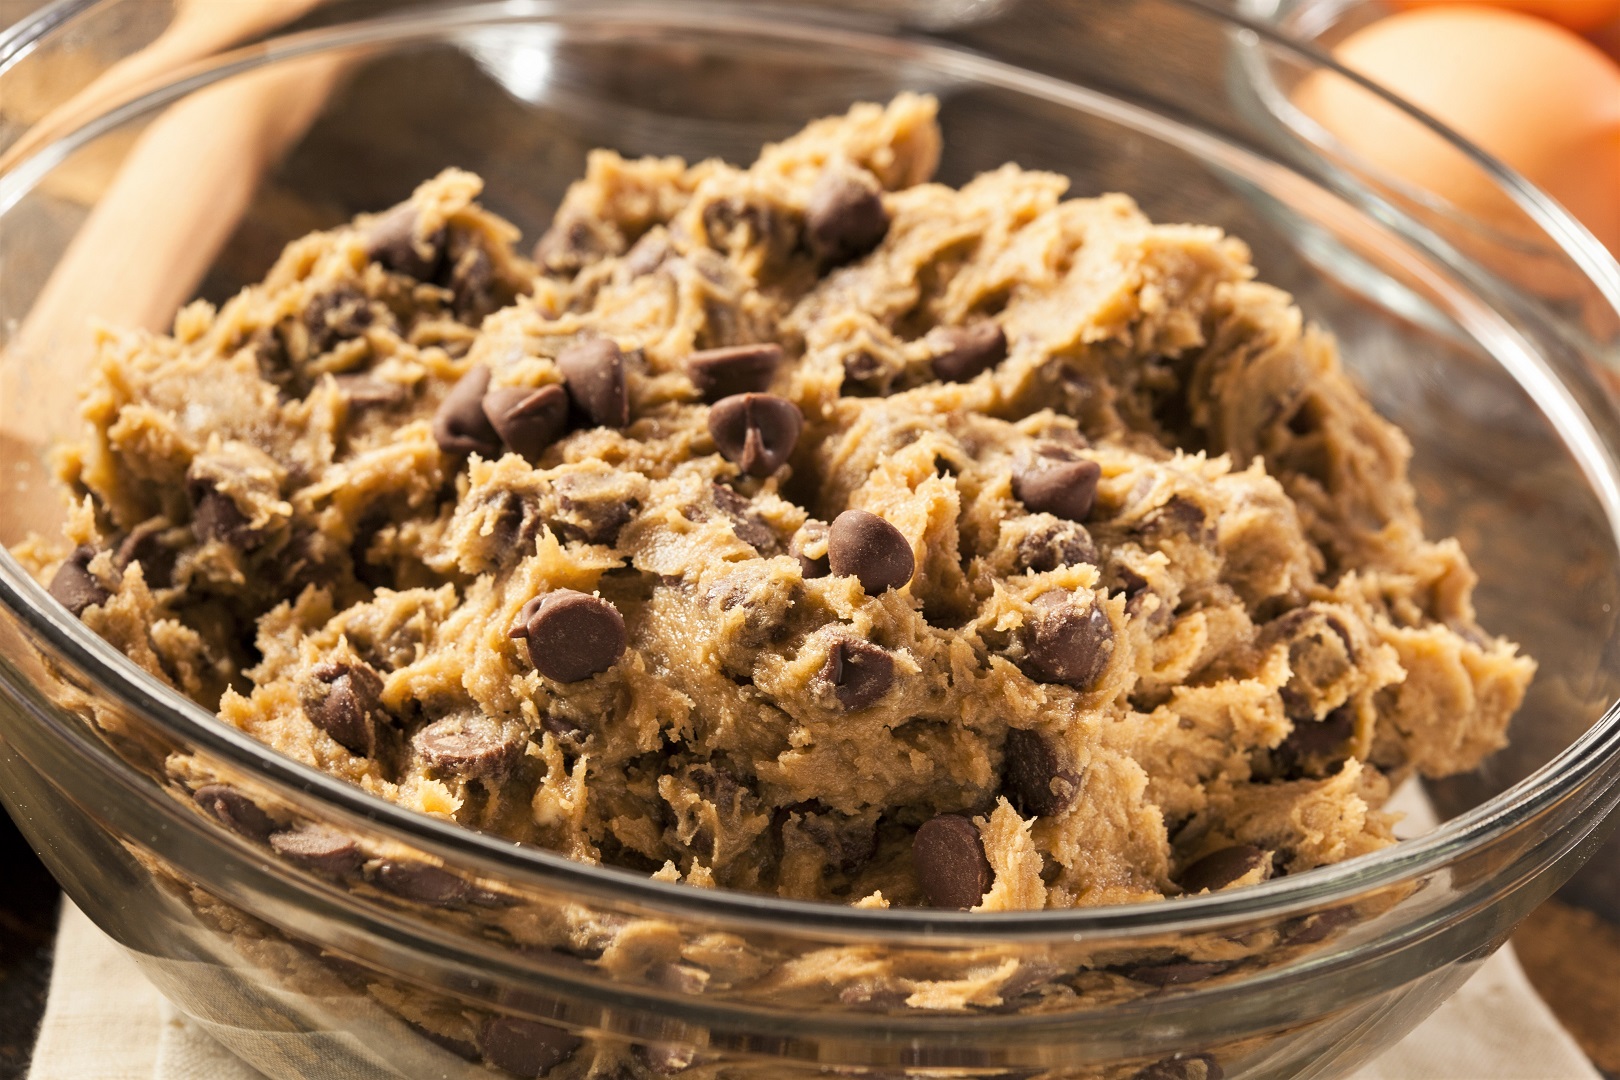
(1174, 973)
(866, 546)
(1052, 542)
(811, 535)
(392, 243)
(344, 701)
(1317, 742)
(319, 849)
(74, 586)
(1068, 644)
(1052, 485)
(1035, 776)
(597, 384)
(471, 746)
(1222, 867)
(215, 515)
(363, 393)
(421, 882)
(859, 672)
(526, 1048)
(528, 420)
(460, 426)
(970, 350)
(571, 635)
(234, 810)
(844, 218)
(756, 432)
(145, 545)
(1179, 1067)
(951, 866)
(736, 369)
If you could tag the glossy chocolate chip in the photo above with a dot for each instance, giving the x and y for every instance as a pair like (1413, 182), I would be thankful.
(1053, 543)
(597, 384)
(756, 432)
(865, 546)
(524, 1047)
(392, 243)
(344, 700)
(528, 420)
(235, 811)
(1220, 868)
(859, 672)
(215, 516)
(319, 849)
(146, 545)
(1174, 973)
(844, 218)
(951, 867)
(1069, 644)
(1182, 1067)
(420, 882)
(571, 635)
(812, 535)
(1052, 485)
(74, 586)
(460, 426)
(472, 745)
(736, 369)
(970, 350)
(1035, 776)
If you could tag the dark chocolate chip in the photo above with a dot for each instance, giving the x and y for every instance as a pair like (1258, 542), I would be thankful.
(472, 745)
(665, 1059)
(648, 253)
(811, 532)
(524, 1047)
(844, 218)
(215, 516)
(1035, 777)
(951, 867)
(460, 426)
(363, 393)
(859, 672)
(969, 351)
(1179, 514)
(1068, 644)
(344, 700)
(747, 525)
(392, 243)
(1316, 742)
(528, 420)
(145, 545)
(1049, 485)
(736, 369)
(1174, 973)
(420, 882)
(1052, 543)
(597, 384)
(469, 274)
(1319, 926)
(235, 811)
(1191, 1067)
(571, 635)
(1220, 868)
(74, 586)
(756, 432)
(320, 849)
(336, 316)
(871, 549)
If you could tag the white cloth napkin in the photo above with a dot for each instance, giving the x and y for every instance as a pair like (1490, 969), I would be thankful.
(104, 1021)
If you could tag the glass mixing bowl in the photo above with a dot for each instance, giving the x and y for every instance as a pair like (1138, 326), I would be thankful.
(149, 153)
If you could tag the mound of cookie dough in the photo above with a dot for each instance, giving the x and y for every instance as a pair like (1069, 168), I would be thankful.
(806, 528)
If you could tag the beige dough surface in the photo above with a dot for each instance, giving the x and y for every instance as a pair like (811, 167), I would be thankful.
(1234, 650)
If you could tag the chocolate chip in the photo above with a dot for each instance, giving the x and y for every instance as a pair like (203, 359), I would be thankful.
(812, 534)
(571, 635)
(528, 420)
(472, 745)
(74, 586)
(1068, 644)
(1310, 929)
(1174, 973)
(460, 426)
(756, 432)
(215, 516)
(469, 274)
(951, 867)
(970, 350)
(1193, 1067)
(392, 243)
(145, 545)
(524, 1047)
(317, 848)
(1051, 543)
(335, 317)
(363, 393)
(1035, 777)
(737, 369)
(844, 218)
(859, 672)
(461, 1048)
(234, 810)
(1316, 743)
(1054, 485)
(1220, 868)
(871, 549)
(344, 701)
(747, 525)
(665, 1059)
(597, 385)
(420, 882)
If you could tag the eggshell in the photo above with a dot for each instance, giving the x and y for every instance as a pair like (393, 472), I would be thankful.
(1578, 15)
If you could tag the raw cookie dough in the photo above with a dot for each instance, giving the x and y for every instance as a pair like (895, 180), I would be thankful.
(809, 528)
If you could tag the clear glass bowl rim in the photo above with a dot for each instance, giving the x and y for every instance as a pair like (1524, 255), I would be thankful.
(187, 722)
